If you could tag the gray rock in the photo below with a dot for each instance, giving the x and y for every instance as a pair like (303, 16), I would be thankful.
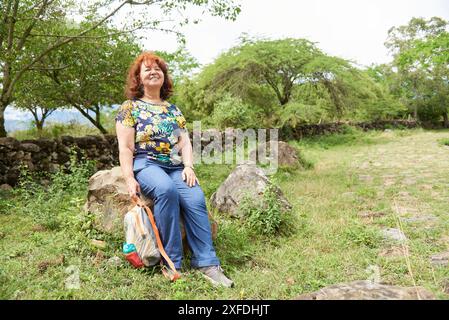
(420, 219)
(365, 178)
(440, 259)
(114, 262)
(5, 187)
(108, 199)
(30, 147)
(368, 290)
(393, 234)
(245, 180)
(287, 156)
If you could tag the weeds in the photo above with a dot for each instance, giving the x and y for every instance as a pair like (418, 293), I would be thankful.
(267, 215)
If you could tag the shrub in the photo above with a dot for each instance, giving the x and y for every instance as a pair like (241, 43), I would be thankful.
(46, 205)
(232, 112)
(267, 216)
(444, 142)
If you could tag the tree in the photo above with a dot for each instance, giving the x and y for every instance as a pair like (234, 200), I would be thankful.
(287, 75)
(421, 56)
(36, 94)
(25, 24)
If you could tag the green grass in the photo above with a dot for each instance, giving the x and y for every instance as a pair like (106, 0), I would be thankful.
(330, 242)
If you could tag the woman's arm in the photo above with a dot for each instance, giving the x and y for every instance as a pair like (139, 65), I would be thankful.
(125, 137)
(188, 175)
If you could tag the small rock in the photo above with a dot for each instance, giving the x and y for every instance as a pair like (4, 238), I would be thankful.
(440, 259)
(366, 178)
(409, 181)
(98, 244)
(348, 194)
(6, 187)
(404, 194)
(393, 252)
(389, 182)
(393, 234)
(38, 228)
(114, 262)
(371, 214)
(420, 219)
(446, 286)
(44, 265)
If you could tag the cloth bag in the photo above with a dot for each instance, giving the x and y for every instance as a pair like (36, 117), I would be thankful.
(141, 230)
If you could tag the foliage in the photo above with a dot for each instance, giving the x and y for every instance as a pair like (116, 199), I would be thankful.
(421, 58)
(232, 112)
(444, 142)
(266, 217)
(54, 130)
(32, 30)
(288, 82)
(45, 204)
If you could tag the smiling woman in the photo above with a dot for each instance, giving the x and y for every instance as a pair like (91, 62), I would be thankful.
(150, 131)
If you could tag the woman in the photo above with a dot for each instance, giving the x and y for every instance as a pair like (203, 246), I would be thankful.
(150, 132)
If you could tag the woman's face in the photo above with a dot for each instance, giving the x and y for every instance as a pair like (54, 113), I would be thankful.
(151, 75)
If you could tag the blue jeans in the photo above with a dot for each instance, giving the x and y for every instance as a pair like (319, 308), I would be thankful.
(172, 196)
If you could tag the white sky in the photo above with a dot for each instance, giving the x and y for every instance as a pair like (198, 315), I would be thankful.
(351, 29)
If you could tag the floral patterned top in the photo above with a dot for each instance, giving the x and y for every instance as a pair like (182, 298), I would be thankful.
(157, 128)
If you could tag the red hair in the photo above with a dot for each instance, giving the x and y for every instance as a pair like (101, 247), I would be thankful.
(134, 87)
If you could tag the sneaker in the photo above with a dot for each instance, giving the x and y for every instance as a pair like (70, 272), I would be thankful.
(216, 276)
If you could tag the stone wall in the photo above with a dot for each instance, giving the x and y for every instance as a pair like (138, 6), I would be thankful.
(49, 155)
(302, 131)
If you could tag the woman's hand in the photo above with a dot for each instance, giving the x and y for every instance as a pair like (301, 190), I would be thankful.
(188, 175)
(133, 187)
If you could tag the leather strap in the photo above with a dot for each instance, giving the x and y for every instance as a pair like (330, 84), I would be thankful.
(175, 276)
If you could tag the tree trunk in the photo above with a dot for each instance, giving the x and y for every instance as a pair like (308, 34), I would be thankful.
(97, 124)
(39, 127)
(446, 119)
(2, 121)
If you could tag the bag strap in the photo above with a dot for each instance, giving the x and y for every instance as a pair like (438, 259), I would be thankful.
(139, 223)
(175, 276)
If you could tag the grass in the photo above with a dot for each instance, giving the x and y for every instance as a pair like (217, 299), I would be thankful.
(331, 242)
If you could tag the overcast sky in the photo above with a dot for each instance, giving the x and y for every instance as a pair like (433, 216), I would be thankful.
(351, 29)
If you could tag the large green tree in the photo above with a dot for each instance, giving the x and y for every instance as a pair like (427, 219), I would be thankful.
(25, 24)
(287, 80)
(421, 57)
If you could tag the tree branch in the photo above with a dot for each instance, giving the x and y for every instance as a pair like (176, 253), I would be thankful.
(104, 36)
(4, 23)
(27, 32)
(59, 44)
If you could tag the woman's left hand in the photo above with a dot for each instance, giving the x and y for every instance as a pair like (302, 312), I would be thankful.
(188, 175)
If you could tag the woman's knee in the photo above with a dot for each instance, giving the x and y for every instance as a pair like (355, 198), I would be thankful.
(196, 198)
(166, 189)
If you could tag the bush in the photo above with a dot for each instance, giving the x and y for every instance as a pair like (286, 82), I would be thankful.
(444, 142)
(47, 205)
(268, 217)
(232, 112)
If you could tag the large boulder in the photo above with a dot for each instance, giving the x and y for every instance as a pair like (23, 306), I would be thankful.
(368, 290)
(245, 181)
(108, 199)
(287, 156)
